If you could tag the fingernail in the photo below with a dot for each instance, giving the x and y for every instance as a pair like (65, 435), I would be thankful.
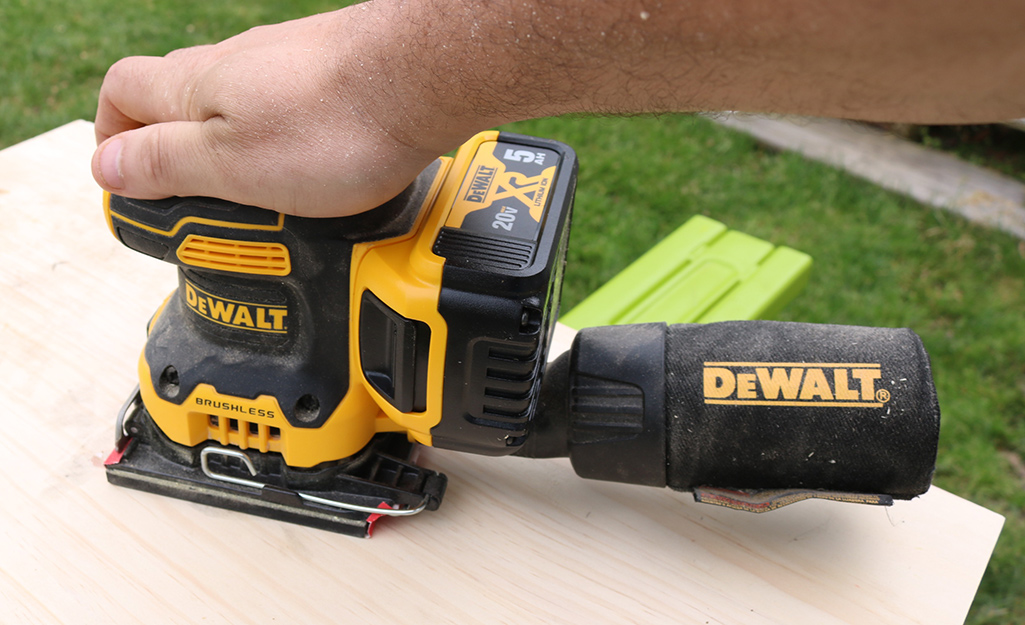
(110, 164)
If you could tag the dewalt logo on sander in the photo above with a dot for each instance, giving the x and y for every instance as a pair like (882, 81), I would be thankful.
(236, 314)
(829, 385)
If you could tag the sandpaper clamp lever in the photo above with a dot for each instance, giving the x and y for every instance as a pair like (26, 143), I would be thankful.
(383, 508)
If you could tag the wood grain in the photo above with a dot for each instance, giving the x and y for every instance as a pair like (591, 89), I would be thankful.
(516, 541)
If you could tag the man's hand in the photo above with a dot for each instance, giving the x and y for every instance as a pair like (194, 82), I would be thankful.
(299, 117)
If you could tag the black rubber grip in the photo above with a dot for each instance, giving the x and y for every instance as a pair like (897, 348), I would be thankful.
(746, 405)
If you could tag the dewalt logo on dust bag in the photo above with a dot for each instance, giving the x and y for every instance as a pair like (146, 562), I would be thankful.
(794, 384)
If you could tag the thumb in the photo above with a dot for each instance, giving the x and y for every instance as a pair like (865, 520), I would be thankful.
(157, 161)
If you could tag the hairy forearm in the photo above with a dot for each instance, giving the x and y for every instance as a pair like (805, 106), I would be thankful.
(917, 60)
(336, 113)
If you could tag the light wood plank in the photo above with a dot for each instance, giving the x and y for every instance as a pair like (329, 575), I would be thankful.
(516, 540)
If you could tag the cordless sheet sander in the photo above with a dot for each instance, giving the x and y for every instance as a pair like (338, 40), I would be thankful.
(301, 362)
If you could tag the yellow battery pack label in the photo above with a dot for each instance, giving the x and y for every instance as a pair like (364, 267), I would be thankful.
(505, 191)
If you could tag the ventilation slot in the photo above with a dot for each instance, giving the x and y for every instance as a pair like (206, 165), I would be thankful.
(243, 434)
(466, 248)
(269, 259)
(510, 386)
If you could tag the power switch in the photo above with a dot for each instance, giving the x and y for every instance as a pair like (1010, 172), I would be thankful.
(393, 352)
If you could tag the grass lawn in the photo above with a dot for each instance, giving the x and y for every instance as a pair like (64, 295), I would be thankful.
(879, 259)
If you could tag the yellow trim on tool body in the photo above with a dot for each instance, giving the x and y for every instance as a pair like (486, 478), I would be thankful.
(110, 214)
(346, 431)
(406, 275)
(408, 281)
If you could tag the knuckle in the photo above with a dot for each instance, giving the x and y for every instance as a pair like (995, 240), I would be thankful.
(124, 73)
(156, 161)
(116, 76)
(178, 54)
(117, 71)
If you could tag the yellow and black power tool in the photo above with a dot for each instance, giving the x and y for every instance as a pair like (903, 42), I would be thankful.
(301, 361)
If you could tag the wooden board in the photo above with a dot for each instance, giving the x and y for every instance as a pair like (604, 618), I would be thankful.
(516, 541)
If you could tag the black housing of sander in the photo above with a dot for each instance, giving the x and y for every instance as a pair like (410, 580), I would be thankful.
(301, 363)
